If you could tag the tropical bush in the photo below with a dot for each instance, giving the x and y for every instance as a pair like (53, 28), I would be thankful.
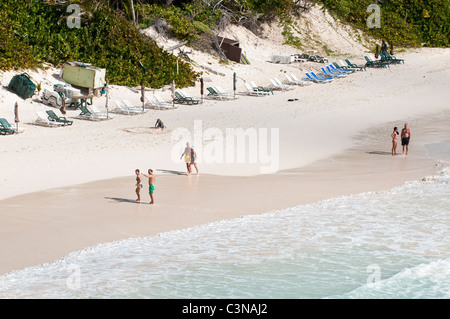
(105, 39)
(403, 22)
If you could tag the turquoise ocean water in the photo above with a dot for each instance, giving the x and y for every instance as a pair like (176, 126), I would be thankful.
(389, 244)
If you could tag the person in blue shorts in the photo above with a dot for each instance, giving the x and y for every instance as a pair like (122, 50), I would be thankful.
(406, 136)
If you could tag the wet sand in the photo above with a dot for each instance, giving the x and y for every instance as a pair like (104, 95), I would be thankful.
(44, 226)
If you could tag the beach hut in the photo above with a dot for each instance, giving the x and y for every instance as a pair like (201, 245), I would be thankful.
(231, 49)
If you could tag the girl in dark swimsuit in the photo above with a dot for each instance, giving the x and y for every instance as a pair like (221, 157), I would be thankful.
(138, 185)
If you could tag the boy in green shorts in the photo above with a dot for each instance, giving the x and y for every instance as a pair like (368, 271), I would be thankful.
(151, 184)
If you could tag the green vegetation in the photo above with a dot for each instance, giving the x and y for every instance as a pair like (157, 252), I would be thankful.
(403, 22)
(105, 39)
(35, 31)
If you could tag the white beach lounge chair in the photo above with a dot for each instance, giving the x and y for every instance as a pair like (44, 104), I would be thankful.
(132, 107)
(223, 93)
(162, 103)
(254, 92)
(98, 114)
(276, 86)
(260, 88)
(122, 109)
(42, 119)
(300, 81)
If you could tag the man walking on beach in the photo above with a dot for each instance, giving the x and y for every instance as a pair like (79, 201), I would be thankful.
(151, 184)
(406, 135)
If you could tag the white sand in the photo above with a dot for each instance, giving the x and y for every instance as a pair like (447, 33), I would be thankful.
(325, 121)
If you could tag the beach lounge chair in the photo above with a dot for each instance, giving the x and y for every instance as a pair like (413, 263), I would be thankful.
(291, 81)
(330, 74)
(299, 81)
(213, 94)
(94, 110)
(190, 97)
(352, 65)
(321, 78)
(286, 86)
(123, 109)
(92, 113)
(253, 92)
(260, 88)
(181, 99)
(342, 65)
(338, 71)
(389, 59)
(132, 107)
(42, 119)
(343, 68)
(5, 127)
(223, 93)
(161, 102)
(61, 119)
(276, 86)
(158, 103)
(389, 56)
(375, 64)
(318, 58)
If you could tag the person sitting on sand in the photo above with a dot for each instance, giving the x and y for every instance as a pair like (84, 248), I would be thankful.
(187, 157)
(151, 184)
(394, 136)
(138, 185)
(406, 136)
(193, 159)
(159, 124)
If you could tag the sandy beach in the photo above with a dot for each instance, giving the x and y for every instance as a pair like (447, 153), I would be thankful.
(64, 189)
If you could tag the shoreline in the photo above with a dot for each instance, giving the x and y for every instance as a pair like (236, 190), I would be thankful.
(44, 226)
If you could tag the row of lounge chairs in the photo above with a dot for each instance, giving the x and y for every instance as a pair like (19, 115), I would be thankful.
(290, 83)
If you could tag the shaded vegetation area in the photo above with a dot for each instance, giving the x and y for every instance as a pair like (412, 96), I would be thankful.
(37, 32)
(403, 22)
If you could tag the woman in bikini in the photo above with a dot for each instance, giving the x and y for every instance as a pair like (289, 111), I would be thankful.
(138, 185)
(394, 136)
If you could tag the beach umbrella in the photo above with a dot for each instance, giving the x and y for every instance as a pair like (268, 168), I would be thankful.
(234, 83)
(16, 116)
(201, 87)
(63, 106)
(106, 103)
(143, 96)
(172, 88)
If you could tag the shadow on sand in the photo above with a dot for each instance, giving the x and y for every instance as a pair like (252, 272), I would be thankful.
(379, 153)
(123, 200)
(171, 172)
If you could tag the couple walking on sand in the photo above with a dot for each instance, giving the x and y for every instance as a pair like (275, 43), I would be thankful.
(405, 136)
(190, 158)
(151, 184)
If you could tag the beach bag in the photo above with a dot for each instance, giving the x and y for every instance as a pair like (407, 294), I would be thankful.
(22, 85)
